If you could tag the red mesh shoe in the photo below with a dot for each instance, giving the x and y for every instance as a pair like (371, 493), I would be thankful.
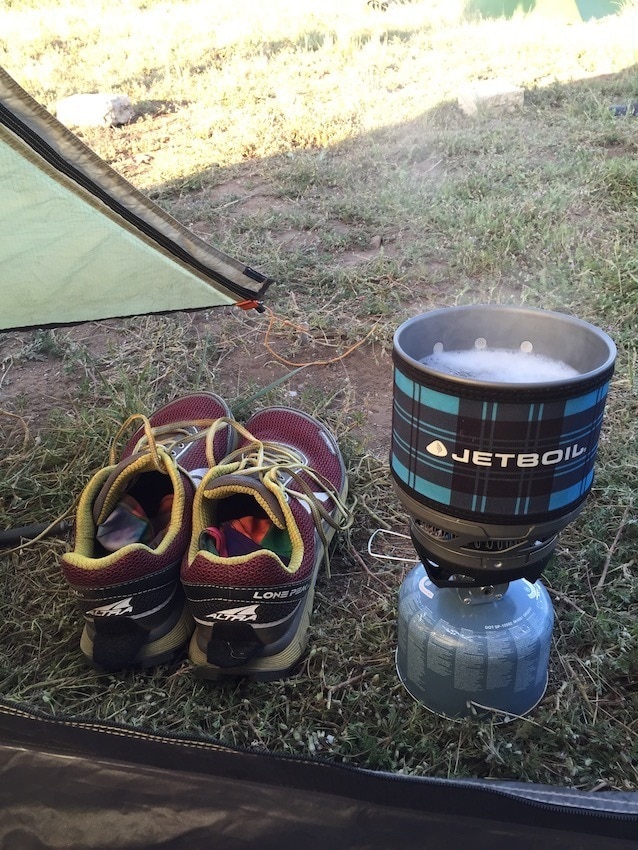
(132, 527)
(263, 518)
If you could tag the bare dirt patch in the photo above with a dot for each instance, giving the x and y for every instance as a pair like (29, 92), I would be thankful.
(34, 375)
(40, 371)
(359, 386)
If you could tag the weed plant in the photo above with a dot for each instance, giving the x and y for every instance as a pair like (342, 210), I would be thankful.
(323, 145)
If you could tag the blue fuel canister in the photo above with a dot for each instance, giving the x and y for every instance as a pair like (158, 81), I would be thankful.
(464, 652)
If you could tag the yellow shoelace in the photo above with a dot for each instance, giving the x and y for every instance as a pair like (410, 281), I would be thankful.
(160, 440)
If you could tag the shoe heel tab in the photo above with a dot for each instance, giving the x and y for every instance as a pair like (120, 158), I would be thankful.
(118, 478)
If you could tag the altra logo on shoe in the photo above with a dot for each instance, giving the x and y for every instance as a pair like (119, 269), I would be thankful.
(235, 615)
(523, 460)
(115, 609)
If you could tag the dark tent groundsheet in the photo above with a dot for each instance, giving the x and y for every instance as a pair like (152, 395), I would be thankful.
(74, 784)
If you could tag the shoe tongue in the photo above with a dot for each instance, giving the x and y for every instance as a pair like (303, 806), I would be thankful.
(113, 488)
(232, 483)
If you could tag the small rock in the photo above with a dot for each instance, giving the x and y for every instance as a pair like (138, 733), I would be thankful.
(490, 95)
(95, 110)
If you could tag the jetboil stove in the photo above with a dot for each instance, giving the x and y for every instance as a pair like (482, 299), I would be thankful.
(496, 419)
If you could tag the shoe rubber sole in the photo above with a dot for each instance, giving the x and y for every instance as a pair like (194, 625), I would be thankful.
(159, 649)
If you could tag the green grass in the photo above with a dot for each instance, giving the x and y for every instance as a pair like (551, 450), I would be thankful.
(294, 139)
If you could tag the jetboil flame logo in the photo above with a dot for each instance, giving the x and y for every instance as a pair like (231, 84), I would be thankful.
(502, 460)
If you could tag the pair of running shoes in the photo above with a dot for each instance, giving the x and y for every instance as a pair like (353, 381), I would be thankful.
(207, 533)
